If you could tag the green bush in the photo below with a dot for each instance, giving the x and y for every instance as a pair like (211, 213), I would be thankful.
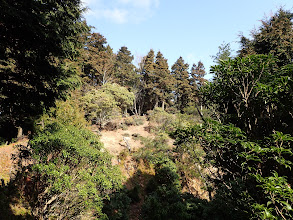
(154, 151)
(129, 121)
(134, 194)
(72, 170)
(164, 120)
(164, 198)
(139, 120)
(66, 112)
(117, 207)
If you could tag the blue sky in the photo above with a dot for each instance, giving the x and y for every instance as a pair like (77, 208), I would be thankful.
(193, 29)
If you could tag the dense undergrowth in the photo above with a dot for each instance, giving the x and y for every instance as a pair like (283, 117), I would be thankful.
(219, 150)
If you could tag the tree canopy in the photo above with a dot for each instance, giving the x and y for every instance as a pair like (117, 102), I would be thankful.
(38, 42)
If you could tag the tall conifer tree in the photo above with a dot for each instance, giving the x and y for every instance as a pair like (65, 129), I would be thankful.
(163, 79)
(273, 37)
(148, 77)
(98, 60)
(182, 86)
(197, 79)
(38, 44)
(124, 69)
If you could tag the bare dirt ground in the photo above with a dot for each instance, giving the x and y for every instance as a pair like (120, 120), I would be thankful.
(115, 143)
(113, 140)
(7, 163)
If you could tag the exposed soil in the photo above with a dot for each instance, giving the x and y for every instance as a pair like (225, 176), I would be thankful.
(7, 160)
(115, 141)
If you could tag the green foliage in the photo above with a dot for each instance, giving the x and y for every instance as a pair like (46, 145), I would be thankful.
(253, 155)
(65, 112)
(123, 97)
(250, 93)
(224, 53)
(274, 37)
(162, 82)
(163, 119)
(97, 60)
(124, 69)
(148, 76)
(99, 106)
(182, 86)
(109, 101)
(118, 205)
(155, 151)
(196, 81)
(39, 68)
(242, 166)
(279, 196)
(164, 198)
(73, 170)
(139, 120)
(129, 121)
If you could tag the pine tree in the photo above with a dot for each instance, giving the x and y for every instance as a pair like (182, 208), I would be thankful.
(98, 60)
(273, 37)
(124, 69)
(182, 86)
(148, 77)
(197, 79)
(38, 44)
(164, 81)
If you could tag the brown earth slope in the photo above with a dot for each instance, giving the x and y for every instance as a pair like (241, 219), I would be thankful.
(113, 140)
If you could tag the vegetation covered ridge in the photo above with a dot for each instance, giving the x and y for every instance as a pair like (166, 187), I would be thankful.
(186, 148)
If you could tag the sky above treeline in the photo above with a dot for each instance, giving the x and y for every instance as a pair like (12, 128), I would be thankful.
(193, 29)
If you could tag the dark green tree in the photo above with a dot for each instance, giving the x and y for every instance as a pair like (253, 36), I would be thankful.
(252, 145)
(182, 86)
(253, 93)
(197, 79)
(125, 73)
(38, 42)
(273, 37)
(148, 77)
(163, 81)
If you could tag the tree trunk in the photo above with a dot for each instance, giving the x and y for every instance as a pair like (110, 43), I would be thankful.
(157, 102)
(19, 132)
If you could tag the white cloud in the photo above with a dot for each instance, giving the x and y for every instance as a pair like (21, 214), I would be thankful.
(145, 4)
(121, 11)
(118, 16)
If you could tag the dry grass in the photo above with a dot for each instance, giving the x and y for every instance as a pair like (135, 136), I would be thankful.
(7, 163)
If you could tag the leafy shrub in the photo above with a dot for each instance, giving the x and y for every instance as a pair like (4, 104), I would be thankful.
(129, 121)
(118, 206)
(154, 151)
(134, 194)
(123, 126)
(123, 155)
(139, 120)
(73, 171)
(122, 96)
(256, 189)
(100, 107)
(162, 118)
(164, 199)
(65, 112)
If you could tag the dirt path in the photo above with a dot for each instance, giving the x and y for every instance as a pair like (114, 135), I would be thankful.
(114, 142)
